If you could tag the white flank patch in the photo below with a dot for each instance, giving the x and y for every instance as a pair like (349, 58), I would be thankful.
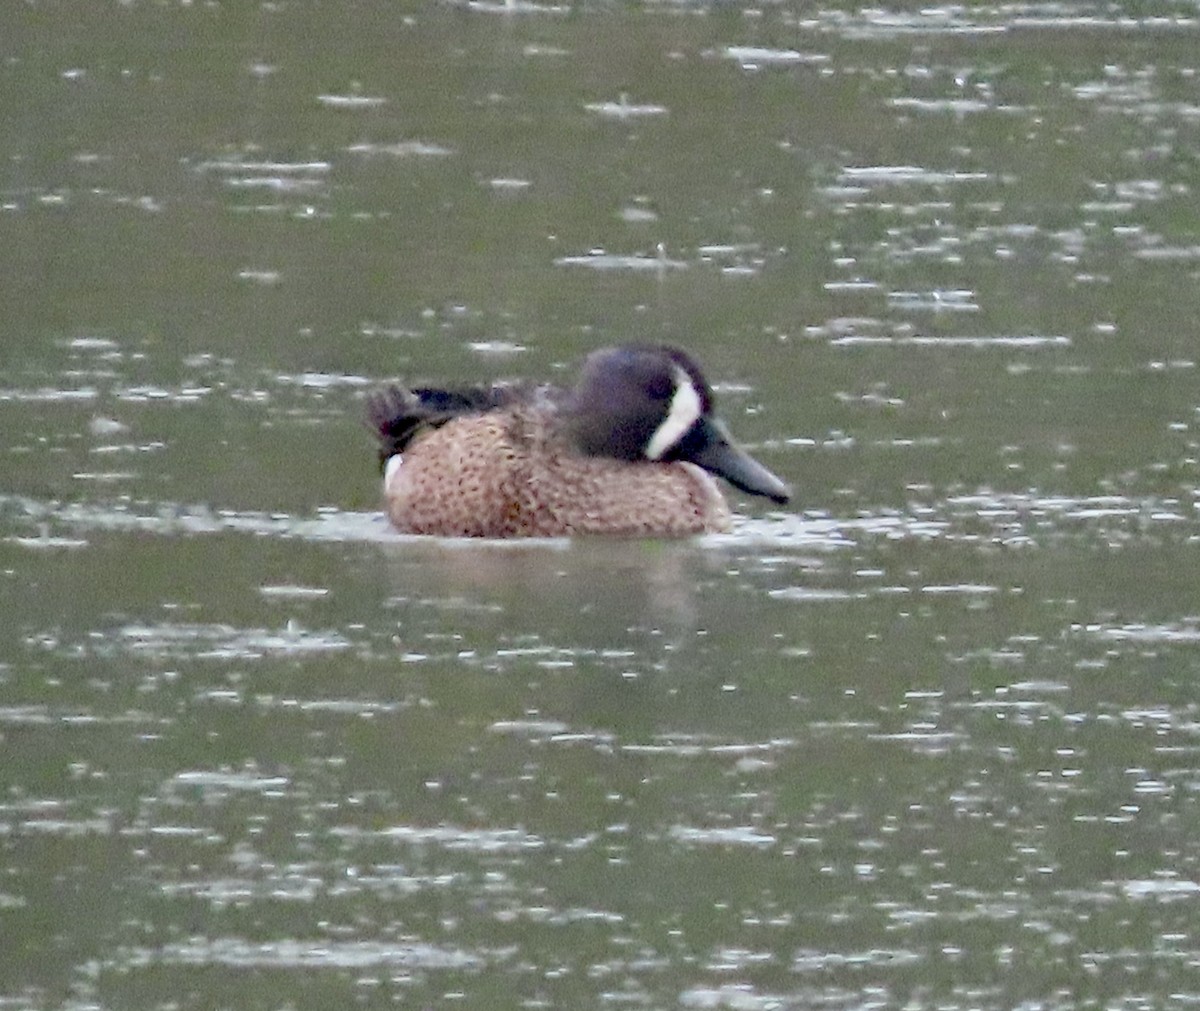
(391, 467)
(684, 413)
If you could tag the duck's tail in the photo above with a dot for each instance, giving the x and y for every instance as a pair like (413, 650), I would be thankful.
(397, 415)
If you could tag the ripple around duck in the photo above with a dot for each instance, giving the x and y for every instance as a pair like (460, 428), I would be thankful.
(978, 517)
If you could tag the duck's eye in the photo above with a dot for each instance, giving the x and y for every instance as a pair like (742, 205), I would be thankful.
(660, 387)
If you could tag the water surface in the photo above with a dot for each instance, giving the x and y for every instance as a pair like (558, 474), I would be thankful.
(927, 738)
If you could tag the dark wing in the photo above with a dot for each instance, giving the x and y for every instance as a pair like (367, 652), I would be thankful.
(397, 415)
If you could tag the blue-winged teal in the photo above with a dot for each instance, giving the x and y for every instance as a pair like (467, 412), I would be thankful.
(629, 451)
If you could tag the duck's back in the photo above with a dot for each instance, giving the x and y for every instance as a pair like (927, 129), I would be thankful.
(456, 480)
(511, 473)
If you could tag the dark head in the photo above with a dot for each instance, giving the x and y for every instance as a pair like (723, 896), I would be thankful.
(640, 402)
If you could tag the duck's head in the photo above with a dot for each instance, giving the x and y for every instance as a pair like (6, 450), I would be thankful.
(641, 402)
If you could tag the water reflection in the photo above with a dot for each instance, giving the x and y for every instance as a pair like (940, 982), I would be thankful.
(929, 739)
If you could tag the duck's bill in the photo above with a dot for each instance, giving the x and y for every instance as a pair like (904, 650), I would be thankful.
(712, 449)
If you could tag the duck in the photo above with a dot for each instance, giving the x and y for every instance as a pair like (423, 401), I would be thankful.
(634, 449)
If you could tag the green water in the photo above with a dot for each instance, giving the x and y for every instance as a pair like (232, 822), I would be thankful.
(927, 739)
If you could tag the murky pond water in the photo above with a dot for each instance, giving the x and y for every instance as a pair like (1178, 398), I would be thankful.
(930, 738)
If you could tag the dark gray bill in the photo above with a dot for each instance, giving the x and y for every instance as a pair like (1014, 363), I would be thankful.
(708, 445)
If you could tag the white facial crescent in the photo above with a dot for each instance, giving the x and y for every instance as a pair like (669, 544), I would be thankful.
(684, 412)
